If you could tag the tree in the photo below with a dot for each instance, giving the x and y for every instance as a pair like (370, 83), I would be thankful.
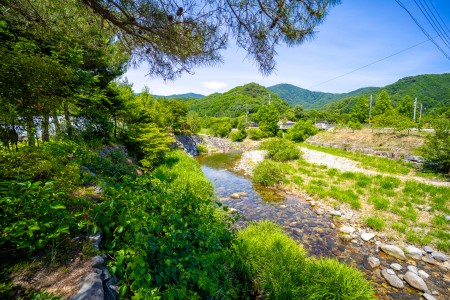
(383, 104)
(301, 131)
(172, 38)
(406, 107)
(360, 112)
(268, 117)
(354, 125)
(437, 147)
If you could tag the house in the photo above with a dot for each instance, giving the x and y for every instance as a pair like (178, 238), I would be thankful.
(285, 125)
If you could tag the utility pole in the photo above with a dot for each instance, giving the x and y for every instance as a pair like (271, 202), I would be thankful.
(420, 116)
(269, 98)
(370, 109)
(415, 107)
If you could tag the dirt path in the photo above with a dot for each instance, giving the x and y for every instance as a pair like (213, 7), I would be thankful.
(347, 165)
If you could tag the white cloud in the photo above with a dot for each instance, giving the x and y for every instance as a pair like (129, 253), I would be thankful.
(214, 85)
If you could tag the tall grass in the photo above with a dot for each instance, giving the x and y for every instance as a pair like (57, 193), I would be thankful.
(276, 267)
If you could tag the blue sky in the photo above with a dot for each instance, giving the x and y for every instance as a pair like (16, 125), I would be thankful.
(354, 34)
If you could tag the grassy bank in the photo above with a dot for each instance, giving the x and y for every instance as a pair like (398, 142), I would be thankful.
(384, 202)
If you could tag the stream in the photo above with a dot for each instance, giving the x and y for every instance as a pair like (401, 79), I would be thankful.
(317, 233)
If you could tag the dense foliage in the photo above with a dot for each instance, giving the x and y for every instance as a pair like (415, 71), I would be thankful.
(268, 173)
(436, 150)
(301, 131)
(279, 149)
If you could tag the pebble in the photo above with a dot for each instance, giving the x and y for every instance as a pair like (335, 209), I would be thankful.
(393, 251)
(235, 196)
(366, 236)
(439, 256)
(282, 206)
(373, 262)
(423, 274)
(392, 279)
(292, 224)
(319, 211)
(413, 269)
(312, 203)
(242, 194)
(415, 281)
(390, 272)
(354, 241)
(332, 226)
(347, 229)
(413, 252)
(429, 260)
(428, 249)
(335, 213)
(447, 218)
(396, 267)
(428, 296)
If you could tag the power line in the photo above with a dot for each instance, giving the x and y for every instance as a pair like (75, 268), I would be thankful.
(423, 30)
(441, 26)
(431, 19)
(372, 63)
(437, 13)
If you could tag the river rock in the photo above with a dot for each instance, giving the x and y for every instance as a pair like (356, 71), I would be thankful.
(373, 262)
(423, 274)
(96, 239)
(396, 267)
(235, 196)
(415, 281)
(428, 296)
(335, 213)
(346, 237)
(413, 252)
(392, 279)
(282, 206)
(367, 236)
(92, 288)
(319, 211)
(447, 218)
(347, 229)
(439, 256)
(413, 269)
(428, 249)
(97, 261)
(429, 260)
(393, 251)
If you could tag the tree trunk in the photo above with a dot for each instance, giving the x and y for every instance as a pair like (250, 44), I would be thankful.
(45, 128)
(57, 126)
(31, 131)
(67, 118)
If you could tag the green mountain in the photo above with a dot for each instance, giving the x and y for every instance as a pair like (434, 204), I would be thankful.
(309, 99)
(235, 102)
(187, 96)
(431, 90)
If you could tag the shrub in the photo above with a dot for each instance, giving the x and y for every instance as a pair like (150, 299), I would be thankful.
(301, 131)
(276, 267)
(256, 134)
(267, 173)
(237, 136)
(280, 149)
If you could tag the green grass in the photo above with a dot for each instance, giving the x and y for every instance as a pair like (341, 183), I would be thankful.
(380, 203)
(375, 223)
(276, 267)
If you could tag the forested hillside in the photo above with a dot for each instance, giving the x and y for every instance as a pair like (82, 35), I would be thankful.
(233, 102)
(186, 96)
(309, 99)
(432, 90)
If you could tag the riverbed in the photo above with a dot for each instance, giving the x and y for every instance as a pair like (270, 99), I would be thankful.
(318, 234)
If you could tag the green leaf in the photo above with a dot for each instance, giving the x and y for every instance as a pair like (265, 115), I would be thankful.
(122, 290)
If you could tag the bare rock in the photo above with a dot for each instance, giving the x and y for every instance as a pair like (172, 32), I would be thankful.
(396, 267)
(367, 236)
(439, 256)
(393, 251)
(429, 260)
(92, 288)
(235, 196)
(97, 261)
(423, 274)
(347, 229)
(335, 213)
(392, 279)
(96, 239)
(373, 262)
(428, 249)
(415, 281)
(413, 252)
(428, 296)
(413, 269)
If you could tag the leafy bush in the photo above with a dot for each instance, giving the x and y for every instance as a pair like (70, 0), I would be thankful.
(276, 267)
(436, 149)
(280, 149)
(237, 136)
(301, 131)
(164, 234)
(33, 214)
(267, 173)
(256, 134)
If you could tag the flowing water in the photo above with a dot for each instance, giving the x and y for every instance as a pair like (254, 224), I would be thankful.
(314, 232)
